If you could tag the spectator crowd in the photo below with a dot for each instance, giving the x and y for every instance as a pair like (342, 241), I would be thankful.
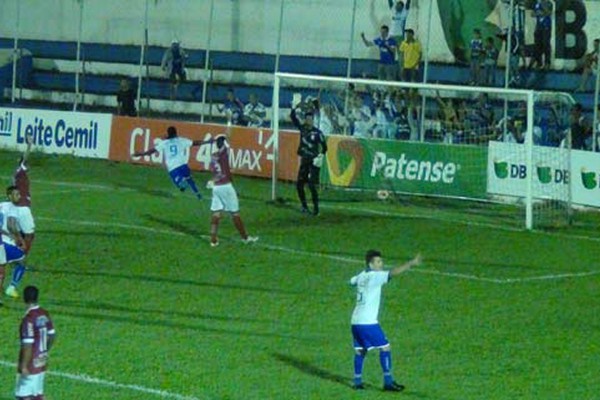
(409, 114)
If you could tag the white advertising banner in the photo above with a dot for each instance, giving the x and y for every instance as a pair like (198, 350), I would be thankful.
(586, 178)
(58, 132)
(554, 174)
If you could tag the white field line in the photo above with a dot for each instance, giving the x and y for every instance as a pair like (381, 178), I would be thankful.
(61, 191)
(289, 250)
(115, 385)
(553, 277)
(71, 184)
(352, 209)
(429, 216)
(464, 276)
(114, 225)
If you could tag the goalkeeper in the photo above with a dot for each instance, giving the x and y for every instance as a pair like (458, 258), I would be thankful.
(311, 149)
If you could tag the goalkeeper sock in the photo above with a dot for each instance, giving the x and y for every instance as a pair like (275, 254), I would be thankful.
(385, 358)
(358, 367)
(301, 194)
(17, 275)
(315, 197)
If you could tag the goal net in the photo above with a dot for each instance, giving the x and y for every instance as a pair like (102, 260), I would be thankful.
(426, 148)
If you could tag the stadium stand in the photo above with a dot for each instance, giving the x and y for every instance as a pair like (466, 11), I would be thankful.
(52, 78)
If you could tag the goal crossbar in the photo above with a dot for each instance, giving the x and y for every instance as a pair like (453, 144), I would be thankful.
(525, 95)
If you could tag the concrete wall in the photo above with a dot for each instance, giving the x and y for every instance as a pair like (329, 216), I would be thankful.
(311, 27)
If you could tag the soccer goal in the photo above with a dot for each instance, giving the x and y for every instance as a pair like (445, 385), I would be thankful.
(487, 154)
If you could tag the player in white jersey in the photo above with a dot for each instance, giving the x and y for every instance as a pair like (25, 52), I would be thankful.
(17, 225)
(176, 152)
(366, 332)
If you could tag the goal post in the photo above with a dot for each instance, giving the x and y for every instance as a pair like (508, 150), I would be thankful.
(421, 141)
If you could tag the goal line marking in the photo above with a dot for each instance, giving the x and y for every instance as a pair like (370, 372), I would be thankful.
(111, 384)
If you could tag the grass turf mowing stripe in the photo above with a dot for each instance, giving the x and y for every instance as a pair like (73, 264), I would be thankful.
(263, 245)
(353, 209)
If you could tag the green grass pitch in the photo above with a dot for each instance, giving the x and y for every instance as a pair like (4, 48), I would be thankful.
(146, 309)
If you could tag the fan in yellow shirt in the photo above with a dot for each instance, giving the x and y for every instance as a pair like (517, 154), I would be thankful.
(411, 56)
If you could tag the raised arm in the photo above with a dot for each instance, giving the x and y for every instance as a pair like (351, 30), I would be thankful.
(439, 99)
(391, 3)
(295, 119)
(165, 59)
(407, 5)
(145, 153)
(365, 41)
(201, 142)
(406, 266)
(29, 141)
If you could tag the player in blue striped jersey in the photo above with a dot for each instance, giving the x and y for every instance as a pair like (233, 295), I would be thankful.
(176, 152)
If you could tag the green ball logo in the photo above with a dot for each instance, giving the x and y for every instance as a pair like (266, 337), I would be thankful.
(588, 179)
(544, 174)
(501, 169)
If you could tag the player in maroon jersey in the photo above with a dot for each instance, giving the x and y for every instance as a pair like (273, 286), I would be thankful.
(20, 178)
(37, 336)
(224, 197)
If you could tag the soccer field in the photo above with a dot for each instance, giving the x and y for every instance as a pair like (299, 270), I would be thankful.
(145, 309)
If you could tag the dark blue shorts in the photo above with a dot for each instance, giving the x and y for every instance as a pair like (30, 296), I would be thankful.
(179, 174)
(177, 71)
(368, 337)
(13, 253)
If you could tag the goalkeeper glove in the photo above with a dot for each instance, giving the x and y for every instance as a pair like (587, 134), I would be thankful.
(318, 161)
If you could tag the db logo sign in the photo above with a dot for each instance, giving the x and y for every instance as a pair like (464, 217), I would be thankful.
(589, 179)
(545, 174)
(504, 170)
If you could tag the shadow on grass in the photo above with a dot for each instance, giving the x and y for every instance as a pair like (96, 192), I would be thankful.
(160, 279)
(168, 324)
(313, 370)
(100, 306)
(321, 373)
(165, 194)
